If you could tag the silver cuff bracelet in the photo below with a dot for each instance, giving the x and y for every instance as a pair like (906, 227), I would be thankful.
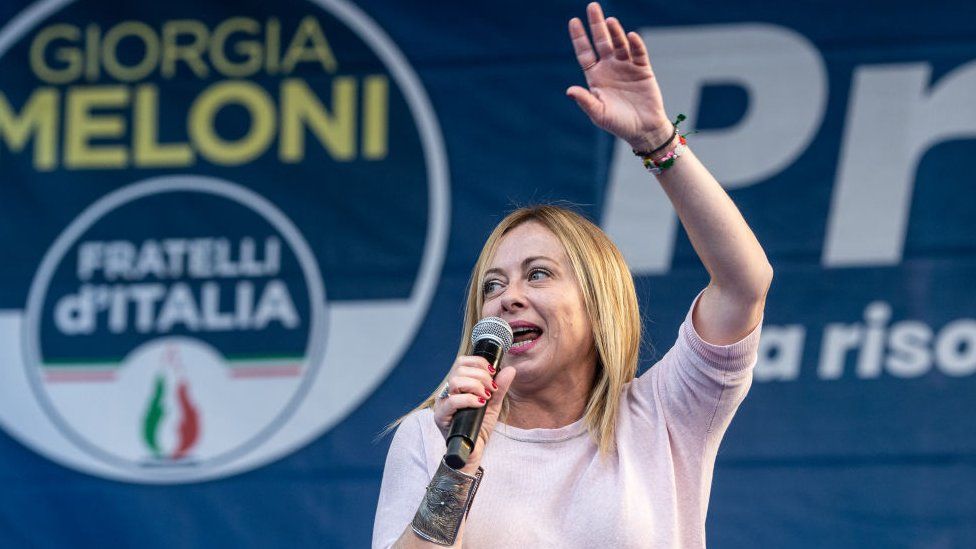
(446, 503)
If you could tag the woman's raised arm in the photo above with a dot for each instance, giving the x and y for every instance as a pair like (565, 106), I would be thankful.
(622, 97)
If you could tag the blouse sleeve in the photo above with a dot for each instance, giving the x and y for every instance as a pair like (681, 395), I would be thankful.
(698, 386)
(405, 479)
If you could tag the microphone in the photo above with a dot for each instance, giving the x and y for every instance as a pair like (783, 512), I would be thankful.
(491, 337)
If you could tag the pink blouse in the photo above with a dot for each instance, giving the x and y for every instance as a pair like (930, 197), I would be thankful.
(552, 488)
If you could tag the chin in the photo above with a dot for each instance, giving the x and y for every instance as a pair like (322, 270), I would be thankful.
(527, 369)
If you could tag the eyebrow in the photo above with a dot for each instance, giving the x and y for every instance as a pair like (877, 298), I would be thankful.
(525, 263)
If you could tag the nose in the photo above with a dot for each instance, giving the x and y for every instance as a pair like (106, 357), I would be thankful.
(513, 298)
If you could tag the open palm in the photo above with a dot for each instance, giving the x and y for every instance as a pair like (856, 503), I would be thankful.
(622, 97)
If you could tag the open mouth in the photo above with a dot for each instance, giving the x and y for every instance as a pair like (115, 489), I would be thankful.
(524, 335)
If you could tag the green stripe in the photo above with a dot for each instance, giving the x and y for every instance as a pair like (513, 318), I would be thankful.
(154, 415)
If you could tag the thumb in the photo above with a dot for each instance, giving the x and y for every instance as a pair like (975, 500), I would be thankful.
(504, 381)
(590, 104)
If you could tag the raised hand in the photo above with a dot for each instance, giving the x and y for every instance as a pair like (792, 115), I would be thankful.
(623, 96)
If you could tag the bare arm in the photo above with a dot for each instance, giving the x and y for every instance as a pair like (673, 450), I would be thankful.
(733, 302)
(622, 96)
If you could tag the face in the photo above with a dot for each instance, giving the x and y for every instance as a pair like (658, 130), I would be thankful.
(530, 283)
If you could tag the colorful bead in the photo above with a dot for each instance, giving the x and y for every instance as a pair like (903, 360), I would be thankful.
(656, 167)
(665, 163)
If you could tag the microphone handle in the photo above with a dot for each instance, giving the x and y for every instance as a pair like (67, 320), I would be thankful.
(467, 421)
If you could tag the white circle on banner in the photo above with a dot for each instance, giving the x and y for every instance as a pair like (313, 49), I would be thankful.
(183, 432)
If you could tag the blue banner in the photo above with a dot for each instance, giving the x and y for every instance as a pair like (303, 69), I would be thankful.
(238, 236)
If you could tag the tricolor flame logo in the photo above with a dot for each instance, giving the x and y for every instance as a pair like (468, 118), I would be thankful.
(188, 431)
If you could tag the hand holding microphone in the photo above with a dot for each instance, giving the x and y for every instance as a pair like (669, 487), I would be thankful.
(475, 391)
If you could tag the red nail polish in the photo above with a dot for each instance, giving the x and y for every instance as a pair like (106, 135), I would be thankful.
(491, 369)
(481, 400)
(488, 393)
(494, 385)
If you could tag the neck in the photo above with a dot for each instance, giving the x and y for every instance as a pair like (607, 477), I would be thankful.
(551, 406)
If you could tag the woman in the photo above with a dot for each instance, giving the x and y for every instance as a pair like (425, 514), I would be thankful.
(581, 454)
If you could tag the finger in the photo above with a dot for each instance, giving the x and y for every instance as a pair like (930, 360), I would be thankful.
(470, 385)
(479, 374)
(586, 101)
(581, 43)
(504, 380)
(462, 401)
(598, 28)
(619, 39)
(475, 362)
(637, 50)
(445, 408)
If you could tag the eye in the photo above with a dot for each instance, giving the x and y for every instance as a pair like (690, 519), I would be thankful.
(490, 286)
(539, 274)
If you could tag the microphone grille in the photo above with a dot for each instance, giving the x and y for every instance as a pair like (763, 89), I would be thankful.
(492, 327)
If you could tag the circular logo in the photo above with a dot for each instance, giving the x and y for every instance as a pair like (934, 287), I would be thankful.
(219, 176)
(125, 329)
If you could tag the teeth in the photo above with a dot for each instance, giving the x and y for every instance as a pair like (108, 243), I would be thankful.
(522, 343)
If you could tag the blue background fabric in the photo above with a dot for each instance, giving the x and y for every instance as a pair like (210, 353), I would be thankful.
(843, 131)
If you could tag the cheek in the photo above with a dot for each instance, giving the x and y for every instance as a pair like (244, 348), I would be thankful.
(582, 335)
(569, 325)
(489, 308)
(581, 329)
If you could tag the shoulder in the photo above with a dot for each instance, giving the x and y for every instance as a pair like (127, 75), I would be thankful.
(418, 440)
(737, 356)
(695, 366)
(415, 426)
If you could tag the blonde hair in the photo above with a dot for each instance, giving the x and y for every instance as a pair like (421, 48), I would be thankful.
(608, 295)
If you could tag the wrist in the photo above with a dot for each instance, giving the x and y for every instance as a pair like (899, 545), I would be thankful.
(666, 158)
(667, 151)
(445, 505)
(663, 156)
(471, 468)
(652, 143)
(651, 140)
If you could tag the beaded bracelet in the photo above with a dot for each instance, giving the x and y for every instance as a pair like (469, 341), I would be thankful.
(658, 166)
(659, 148)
